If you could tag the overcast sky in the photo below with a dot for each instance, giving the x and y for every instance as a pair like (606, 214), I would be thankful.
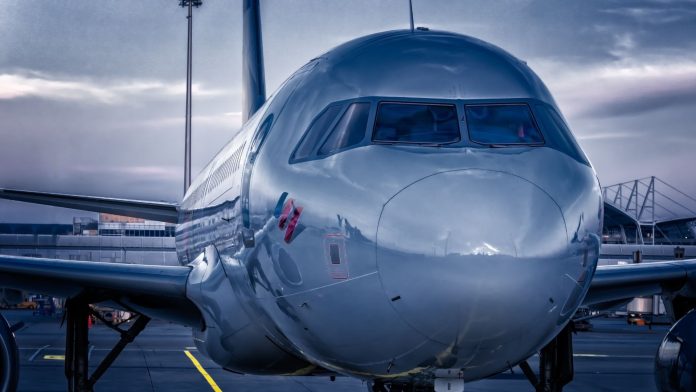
(92, 92)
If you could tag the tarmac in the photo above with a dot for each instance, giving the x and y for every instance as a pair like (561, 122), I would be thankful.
(613, 356)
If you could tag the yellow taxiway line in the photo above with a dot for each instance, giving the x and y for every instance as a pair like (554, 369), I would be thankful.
(205, 374)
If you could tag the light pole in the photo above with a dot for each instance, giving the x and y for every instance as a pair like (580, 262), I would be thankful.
(189, 65)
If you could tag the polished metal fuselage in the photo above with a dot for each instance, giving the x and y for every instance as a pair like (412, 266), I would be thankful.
(403, 259)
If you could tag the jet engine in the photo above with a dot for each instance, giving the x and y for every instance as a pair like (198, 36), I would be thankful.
(9, 357)
(674, 363)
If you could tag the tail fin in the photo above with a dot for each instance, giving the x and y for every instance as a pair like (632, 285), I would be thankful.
(253, 78)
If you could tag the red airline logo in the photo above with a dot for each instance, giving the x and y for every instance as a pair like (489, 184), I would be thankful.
(289, 217)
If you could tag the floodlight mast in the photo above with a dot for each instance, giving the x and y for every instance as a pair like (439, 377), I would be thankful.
(410, 14)
(189, 65)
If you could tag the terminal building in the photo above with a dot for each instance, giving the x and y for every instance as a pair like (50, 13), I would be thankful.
(644, 220)
(647, 220)
(110, 238)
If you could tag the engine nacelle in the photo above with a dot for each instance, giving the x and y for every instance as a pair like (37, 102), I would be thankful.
(231, 338)
(9, 357)
(675, 359)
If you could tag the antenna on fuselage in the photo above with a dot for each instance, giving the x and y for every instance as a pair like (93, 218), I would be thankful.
(410, 12)
(253, 79)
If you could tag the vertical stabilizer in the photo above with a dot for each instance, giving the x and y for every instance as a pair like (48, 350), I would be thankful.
(253, 79)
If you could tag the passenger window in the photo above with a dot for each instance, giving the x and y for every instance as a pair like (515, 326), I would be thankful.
(349, 131)
(416, 123)
(502, 124)
(316, 131)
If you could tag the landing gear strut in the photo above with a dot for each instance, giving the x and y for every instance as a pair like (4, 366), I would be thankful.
(555, 363)
(380, 386)
(377, 386)
(77, 343)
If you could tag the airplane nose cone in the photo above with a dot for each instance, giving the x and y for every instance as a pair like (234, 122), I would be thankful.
(474, 259)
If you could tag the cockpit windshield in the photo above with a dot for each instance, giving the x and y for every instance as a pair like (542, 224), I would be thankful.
(417, 123)
(502, 124)
(316, 131)
(349, 131)
(362, 121)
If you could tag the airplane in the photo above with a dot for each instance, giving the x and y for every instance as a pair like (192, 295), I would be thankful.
(409, 208)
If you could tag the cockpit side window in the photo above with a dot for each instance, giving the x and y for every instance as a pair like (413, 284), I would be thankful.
(350, 129)
(316, 131)
(416, 123)
(558, 134)
(502, 124)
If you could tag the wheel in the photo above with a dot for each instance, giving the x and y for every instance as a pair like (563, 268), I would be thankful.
(9, 357)
(376, 386)
(398, 388)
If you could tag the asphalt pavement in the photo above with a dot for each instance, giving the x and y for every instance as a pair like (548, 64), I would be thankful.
(613, 356)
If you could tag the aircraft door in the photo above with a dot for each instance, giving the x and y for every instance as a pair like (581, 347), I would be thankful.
(252, 154)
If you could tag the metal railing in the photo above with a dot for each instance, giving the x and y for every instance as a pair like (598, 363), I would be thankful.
(649, 200)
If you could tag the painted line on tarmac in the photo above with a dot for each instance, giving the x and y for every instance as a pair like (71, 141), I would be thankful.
(54, 357)
(202, 371)
(89, 353)
(37, 352)
(614, 356)
(163, 350)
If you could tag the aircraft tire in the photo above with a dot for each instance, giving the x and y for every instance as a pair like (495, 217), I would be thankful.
(9, 358)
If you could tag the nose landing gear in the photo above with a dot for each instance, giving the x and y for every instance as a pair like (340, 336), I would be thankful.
(555, 370)
(380, 386)
(555, 363)
(376, 386)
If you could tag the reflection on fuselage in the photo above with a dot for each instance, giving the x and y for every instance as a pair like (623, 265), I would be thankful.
(392, 260)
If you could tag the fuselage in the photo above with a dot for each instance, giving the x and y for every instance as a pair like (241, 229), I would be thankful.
(379, 217)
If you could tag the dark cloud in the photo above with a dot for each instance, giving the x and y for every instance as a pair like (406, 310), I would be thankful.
(624, 89)
(578, 32)
(91, 99)
(649, 101)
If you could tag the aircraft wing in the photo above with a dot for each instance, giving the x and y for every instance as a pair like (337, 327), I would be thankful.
(158, 211)
(156, 291)
(613, 283)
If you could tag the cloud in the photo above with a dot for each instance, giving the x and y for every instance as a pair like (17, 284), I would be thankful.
(604, 136)
(160, 172)
(624, 43)
(655, 15)
(228, 120)
(621, 89)
(41, 85)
